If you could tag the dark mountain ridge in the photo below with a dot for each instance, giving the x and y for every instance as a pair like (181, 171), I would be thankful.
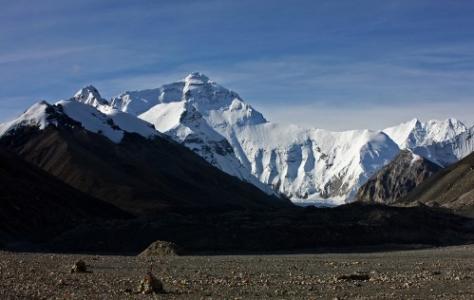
(451, 188)
(395, 180)
(139, 175)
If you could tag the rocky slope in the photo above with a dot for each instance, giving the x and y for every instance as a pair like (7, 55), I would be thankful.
(395, 180)
(452, 188)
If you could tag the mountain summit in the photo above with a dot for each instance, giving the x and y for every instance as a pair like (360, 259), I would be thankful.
(205, 95)
(196, 78)
(90, 95)
(416, 133)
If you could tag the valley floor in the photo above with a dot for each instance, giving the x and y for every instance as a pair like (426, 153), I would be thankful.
(440, 273)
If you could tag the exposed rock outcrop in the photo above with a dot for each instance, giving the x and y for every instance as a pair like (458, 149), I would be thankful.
(397, 179)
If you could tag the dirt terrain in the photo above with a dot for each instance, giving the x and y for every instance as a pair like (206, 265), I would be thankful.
(440, 273)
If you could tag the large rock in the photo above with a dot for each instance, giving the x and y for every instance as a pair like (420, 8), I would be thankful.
(161, 248)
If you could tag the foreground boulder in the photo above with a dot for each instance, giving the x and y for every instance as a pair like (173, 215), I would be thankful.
(161, 248)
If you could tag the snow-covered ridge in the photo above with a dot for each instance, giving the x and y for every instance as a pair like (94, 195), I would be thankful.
(442, 142)
(105, 120)
(416, 133)
(34, 116)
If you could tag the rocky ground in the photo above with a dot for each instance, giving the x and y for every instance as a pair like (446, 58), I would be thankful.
(441, 273)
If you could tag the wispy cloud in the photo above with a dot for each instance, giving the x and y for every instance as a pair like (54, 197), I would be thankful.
(40, 54)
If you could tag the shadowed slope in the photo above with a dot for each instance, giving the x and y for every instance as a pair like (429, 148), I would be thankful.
(452, 187)
(34, 205)
(139, 175)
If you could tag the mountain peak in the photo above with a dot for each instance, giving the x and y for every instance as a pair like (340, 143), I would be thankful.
(415, 122)
(455, 122)
(90, 95)
(415, 133)
(196, 77)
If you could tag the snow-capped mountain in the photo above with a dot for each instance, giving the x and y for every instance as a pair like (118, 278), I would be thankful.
(216, 103)
(449, 151)
(443, 142)
(109, 122)
(120, 158)
(416, 133)
(303, 164)
(181, 111)
(90, 95)
(313, 165)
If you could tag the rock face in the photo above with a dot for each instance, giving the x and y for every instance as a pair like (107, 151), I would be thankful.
(452, 188)
(161, 248)
(397, 179)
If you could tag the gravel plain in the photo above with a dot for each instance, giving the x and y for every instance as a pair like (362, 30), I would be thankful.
(436, 273)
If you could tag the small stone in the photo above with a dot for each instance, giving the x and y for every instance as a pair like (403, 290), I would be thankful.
(61, 282)
(150, 285)
(79, 267)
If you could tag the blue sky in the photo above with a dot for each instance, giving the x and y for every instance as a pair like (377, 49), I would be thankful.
(329, 64)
